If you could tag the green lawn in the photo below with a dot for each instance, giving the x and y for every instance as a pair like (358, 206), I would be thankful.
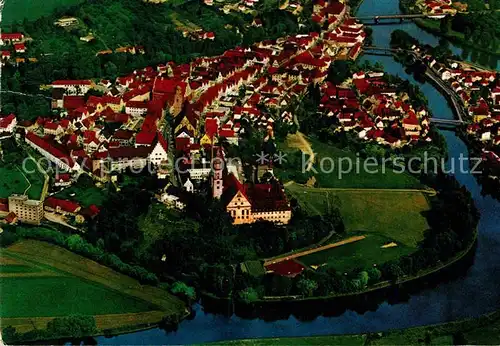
(359, 177)
(85, 194)
(361, 254)
(17, 10)
(13, 182)
(18, 268)
(59, 296)
(341, 168)
(254, 268)
(395, 215)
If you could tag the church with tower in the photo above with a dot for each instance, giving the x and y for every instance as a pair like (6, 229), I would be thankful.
(247, 203)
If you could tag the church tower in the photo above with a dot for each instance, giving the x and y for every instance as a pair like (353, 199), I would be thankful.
(217, 168)
(178, 102)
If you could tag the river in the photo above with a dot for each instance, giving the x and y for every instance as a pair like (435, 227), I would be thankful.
(475, 292)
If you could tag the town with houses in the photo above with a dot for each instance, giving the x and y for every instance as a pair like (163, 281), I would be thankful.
(128, 126)
(179, 183)
(479, 96)
(153, 116)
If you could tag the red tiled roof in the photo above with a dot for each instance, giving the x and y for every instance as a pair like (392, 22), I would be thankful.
(91, 211)
(11, 36)
(137, 104)
(73, 102)
(63, 177)
(163, 142)
(145, 138)
(65, 205)
(19, 47)
(51, 147)
(7, 121)
(129, 152)
(123, 134)
(286, 268)
(10, 218)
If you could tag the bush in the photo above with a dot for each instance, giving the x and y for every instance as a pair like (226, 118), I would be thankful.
(374, 275)
(248, 295)
(180, 288)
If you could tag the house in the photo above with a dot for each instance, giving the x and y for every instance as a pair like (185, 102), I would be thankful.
(73, 87)
(188, 185)
(66, 21)
(61, 206)
(62, 180)
(11, 219)
(20, 48)
(123, 137)
(136, 108)
(10, 38)
(159, 155)
(5, 55)
(52, 128)
(53, 151)
(8, 124)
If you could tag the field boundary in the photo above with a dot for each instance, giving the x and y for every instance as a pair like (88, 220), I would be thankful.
(94, 272)
(103, 322)
(428, 191)
(311, 251)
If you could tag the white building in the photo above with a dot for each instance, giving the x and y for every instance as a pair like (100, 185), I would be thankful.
(73, 87)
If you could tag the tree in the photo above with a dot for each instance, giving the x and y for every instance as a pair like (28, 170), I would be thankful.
(248, 295)
(363, 278)
(374, 275)
(180, 288)
(76, 326)
(392, 270)
(307, 287)
(9, 334)
(111, 70)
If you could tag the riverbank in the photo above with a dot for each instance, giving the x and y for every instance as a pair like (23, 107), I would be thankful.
(478, 331)
(433, 27)
(384, 285)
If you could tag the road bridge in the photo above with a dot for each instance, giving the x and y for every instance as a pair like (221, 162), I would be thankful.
(447, 122)
(378, 18)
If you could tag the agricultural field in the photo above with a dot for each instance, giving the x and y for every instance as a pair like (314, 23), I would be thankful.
(17, 10)
(398, 215)
(60, 296)
(41, 280)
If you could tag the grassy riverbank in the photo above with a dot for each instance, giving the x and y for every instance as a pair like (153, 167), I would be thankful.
(63, 283)
(484, 330)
